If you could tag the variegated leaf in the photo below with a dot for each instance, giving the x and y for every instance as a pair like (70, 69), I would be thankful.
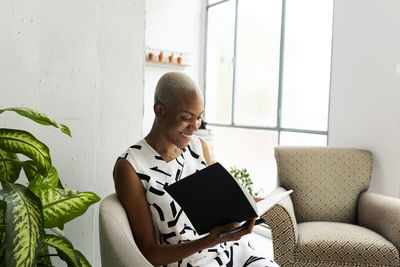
(59, 232)
(31, 171)
(36, 179)
(61, 205)
(64, 247)
(24, 230)
(38, 117)
(18, 141)
(10, 166)
(3, 249)
(2, 232)
(82, 259)
(44, 259)
(40, 182)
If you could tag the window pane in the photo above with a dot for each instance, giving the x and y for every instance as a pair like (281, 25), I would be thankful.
(307, 58)
(250, 149)
(257, 62)
(219, 73)
(302, 139)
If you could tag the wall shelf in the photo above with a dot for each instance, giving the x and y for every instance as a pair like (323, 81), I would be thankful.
(167, 59)
(166, 64)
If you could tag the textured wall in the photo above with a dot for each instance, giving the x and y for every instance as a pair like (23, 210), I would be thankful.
(82, 63)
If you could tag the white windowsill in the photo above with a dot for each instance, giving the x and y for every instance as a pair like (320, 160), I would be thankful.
(262, 231)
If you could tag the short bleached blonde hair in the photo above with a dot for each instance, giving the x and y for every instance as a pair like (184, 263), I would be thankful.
(172, 86)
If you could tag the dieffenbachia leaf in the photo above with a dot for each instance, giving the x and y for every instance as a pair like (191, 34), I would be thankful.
(31, 171)
(24, 230)
(10, 166)
(82, 259)
(44, 259)
(18, 141)
(62, 205)
(37, 180)
(2, 232)
(38, 117)
(64, 248)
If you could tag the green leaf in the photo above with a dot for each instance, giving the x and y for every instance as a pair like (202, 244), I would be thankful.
(24, 230)
(18, 141)
(2, 232)
(10, 166)
(61, 205)
(59, 232)
(2, 248)
(37, 181)
(64, 247)
(31, 171)
(82, 259)
(38, 117)
(2, 212)
(44, 257)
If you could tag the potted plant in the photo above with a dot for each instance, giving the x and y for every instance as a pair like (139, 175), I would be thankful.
(32, 217)
(243, 177)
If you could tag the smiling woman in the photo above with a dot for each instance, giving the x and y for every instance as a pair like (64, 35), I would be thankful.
(171, 152)
(178, 111)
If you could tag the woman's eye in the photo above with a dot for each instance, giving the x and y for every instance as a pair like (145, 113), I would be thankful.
(186, 119)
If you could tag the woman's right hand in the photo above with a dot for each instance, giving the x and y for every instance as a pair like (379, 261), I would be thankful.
(214, 235)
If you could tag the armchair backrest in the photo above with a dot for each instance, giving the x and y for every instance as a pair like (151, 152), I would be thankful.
(326, 181)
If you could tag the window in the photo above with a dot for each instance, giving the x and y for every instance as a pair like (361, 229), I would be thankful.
(267, 75)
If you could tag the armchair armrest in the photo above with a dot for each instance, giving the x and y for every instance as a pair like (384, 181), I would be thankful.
(282, 220)
(380, 214)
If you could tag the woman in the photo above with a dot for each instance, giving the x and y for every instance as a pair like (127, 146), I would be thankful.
(167, 154)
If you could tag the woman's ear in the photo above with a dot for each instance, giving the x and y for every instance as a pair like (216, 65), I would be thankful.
(159, 110)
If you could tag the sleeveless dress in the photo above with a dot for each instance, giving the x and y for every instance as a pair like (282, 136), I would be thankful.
(171, 225)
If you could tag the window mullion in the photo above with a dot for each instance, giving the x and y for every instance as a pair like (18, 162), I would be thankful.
(234, 66)
(281, 59)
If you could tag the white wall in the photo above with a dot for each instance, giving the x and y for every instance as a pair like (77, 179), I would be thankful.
(365, 85)
(82, 63)
(173, 25)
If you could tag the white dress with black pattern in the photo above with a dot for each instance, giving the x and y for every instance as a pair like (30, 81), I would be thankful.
(170, 223)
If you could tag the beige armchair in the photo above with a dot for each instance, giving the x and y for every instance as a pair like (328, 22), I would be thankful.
(117, 246)
(330, 219)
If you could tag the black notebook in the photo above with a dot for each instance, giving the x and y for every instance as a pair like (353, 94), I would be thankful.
(212, 197)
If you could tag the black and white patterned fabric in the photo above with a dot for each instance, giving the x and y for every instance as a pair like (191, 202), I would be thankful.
(171, 225)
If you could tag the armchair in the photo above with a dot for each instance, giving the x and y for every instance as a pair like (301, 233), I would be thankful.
(330, 219)
(117, 246)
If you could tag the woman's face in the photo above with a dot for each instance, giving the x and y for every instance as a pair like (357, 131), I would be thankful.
(183, 119)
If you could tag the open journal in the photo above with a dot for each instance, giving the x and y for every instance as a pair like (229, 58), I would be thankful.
(212, 197)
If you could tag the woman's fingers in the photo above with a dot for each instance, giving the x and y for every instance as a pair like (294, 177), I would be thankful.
(230, 232)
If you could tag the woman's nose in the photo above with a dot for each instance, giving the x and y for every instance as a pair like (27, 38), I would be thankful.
(195, 124)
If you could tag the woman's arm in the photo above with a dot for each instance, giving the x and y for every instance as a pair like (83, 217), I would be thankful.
(131, 194)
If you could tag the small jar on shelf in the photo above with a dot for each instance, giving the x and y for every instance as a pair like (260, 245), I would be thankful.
(179, 58)
(171, 58)
(161, 56)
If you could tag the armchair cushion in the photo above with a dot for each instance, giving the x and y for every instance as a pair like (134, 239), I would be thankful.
(326, 182)
(381, 214)
(343, 243)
